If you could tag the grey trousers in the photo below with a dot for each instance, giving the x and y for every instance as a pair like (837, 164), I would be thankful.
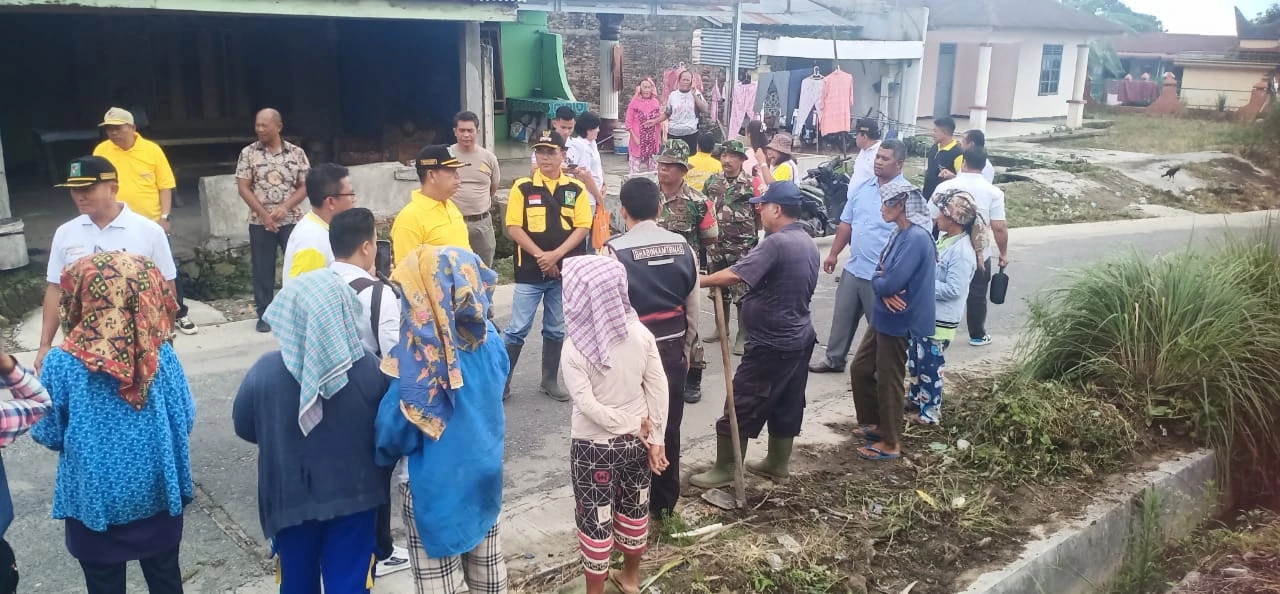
(854, 299)
(483, 243)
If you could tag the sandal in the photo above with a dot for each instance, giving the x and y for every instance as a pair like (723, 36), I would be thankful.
(876, 455)
(617, 583)
(867, 433)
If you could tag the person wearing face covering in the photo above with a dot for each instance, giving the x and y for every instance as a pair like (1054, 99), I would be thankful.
(614, 373)
(443, 412)
(122, 414)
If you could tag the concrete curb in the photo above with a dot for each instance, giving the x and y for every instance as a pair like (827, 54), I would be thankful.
(1087, 555)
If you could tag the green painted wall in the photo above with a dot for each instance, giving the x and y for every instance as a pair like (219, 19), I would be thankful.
(532, 58)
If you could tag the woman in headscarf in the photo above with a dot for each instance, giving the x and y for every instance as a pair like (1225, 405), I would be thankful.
(644, 113)
(310, 408)
(122, 414)
(614, 373)
(961, 237)
(904, 285)
(443, 411)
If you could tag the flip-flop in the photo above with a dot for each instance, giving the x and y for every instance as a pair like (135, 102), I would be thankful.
(617, 583)
(879, 454)
(864, 431)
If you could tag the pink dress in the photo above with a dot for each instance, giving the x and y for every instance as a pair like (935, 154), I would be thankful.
(643, 146)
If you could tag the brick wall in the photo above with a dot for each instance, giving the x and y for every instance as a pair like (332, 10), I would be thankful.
(650, 45)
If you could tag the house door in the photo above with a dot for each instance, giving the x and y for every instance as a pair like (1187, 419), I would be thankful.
(946, 79)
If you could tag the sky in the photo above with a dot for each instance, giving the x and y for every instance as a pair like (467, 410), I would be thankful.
(1204, 17)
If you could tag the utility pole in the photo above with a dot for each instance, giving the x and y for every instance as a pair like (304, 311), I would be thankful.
(735, 47)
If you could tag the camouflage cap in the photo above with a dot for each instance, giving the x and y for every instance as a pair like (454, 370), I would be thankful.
(734, 146)
(675, 152)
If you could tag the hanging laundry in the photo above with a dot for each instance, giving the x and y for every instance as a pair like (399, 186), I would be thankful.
(837, 103)
(744, 97)
(793, 96)
(809, 105)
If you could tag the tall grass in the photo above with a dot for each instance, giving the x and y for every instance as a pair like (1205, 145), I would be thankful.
(1187, 337)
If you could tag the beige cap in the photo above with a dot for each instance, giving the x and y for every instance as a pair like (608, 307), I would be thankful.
(117, 116)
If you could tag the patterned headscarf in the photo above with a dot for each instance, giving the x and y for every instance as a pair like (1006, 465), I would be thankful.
(447, 295)
(597, 307)
(117, 310)
(317, 319)
(917, 207)
(959, 206)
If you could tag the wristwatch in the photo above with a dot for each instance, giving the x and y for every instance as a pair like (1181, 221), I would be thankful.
(164, 217)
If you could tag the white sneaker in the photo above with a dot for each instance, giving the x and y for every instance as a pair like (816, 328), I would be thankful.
(398, 561)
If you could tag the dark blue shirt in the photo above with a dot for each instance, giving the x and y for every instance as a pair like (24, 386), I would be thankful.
(908, 264)
(782, 272)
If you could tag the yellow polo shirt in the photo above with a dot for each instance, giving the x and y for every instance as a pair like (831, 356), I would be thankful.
(144, 172)
(427, 221)
(701, 167)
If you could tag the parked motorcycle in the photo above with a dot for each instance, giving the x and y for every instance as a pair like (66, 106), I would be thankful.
(814, 216)
(829, 183)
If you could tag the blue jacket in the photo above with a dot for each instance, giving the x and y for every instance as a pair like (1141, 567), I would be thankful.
(907, 265)
(117, 465)
(957, 264)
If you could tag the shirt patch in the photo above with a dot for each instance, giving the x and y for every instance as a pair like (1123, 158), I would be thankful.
(570, 197)
(535, 200)
(485, 168)
(665, 250)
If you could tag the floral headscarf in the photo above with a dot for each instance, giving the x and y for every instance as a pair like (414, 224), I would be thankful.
(597, 307)
(117, 310)
(959, 206)
(447, 295)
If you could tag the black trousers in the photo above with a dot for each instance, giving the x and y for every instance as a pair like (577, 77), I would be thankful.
(177, 283)
(691, 140)
(263, 248)
(768, 388)
(876, 374)
(665, 490)
(162, 572)
(976, 304)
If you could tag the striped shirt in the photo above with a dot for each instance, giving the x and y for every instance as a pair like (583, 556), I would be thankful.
(30, 403)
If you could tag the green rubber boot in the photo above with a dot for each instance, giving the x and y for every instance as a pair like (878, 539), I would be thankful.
(775, 465)
(513, 353)
(720, 475)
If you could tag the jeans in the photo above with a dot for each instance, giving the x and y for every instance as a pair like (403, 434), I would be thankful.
(524, 305)
(263, 246)
(162, 573)
(976, 304)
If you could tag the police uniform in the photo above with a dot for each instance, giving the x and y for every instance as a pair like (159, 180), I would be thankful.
(550, 211)
(730, 200)
(688, 214)
(662, 277)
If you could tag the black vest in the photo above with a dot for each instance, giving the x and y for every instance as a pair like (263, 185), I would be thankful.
(548, 219)
(661, 268)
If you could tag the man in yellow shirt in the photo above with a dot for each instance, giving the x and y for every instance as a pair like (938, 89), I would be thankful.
(330, 192)
(146, 182)
(431, 217)
(548, 216)
(702, 165)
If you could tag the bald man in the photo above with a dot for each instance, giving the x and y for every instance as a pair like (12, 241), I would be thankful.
(271, 175)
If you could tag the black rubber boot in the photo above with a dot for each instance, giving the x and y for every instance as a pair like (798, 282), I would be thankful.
(551, 370)
(513, 353)
(693, 386)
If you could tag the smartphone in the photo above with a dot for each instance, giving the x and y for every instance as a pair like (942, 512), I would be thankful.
(382, 261)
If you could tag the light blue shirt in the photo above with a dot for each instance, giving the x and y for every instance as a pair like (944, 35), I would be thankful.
(870, 231)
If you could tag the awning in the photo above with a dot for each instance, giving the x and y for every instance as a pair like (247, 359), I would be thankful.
(433, 10)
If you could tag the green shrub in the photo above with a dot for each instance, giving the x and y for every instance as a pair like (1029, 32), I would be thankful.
(1194, 338)
(217, 274)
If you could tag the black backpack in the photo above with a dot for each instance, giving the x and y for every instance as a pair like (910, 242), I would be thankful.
(375, 303)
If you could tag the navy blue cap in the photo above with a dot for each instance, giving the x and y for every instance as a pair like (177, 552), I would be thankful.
(783, 192)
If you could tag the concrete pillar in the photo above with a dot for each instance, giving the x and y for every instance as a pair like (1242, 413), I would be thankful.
(610, 29)
(885, 82)
(978, 111)
(1075, 107)
(908, 108)
(13, 242)
(470, 64)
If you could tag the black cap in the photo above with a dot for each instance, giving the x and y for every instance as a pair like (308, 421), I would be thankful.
(437, 156)
(549, 139)
(868, 126)
(783, 192)
(86, 171)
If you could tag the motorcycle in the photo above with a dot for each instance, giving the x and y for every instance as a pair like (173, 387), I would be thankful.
(829, 184)
(814, 217)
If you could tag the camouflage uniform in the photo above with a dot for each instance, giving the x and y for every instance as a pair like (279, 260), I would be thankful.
(736, 217)
(688, 214)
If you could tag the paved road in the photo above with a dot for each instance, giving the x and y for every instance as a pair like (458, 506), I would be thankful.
(224, 551)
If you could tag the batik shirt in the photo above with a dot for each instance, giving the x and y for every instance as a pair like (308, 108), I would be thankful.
(688, 214)
(273, 176)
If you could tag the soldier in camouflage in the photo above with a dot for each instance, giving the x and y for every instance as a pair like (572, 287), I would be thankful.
(686, 212)
(729, 193)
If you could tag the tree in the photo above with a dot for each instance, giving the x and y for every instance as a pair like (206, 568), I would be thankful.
(1269, 16)
(1119, 13)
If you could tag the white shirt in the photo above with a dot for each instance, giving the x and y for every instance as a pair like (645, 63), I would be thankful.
(990, 199)
(388, 330)
(684, 114)
(864, 167)
(989, 172)
(584, 153)
(308, 248)
(129, 232)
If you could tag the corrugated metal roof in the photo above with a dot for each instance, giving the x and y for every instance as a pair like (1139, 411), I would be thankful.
(782, 13)
(714, 47)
